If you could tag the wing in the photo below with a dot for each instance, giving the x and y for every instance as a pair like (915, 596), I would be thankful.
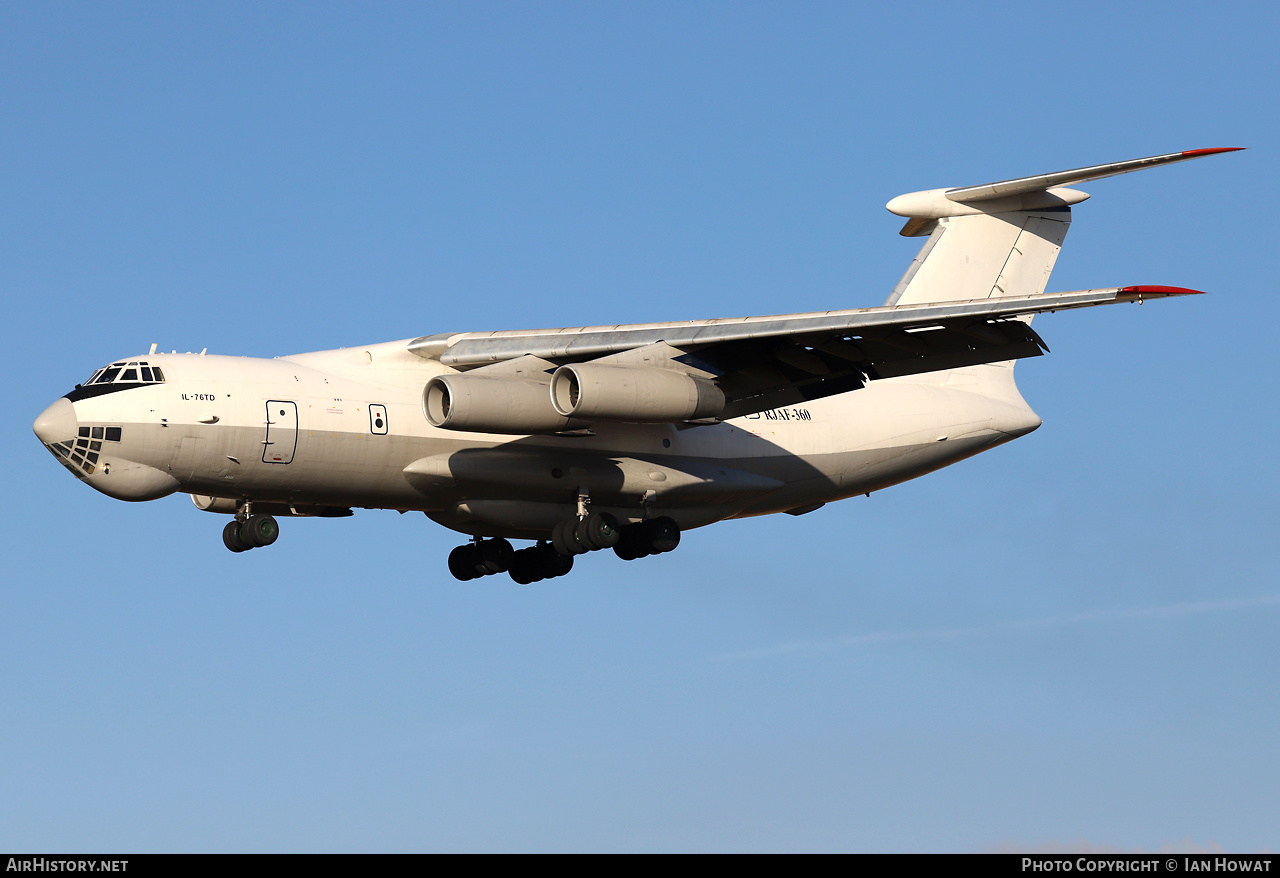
(759, 363)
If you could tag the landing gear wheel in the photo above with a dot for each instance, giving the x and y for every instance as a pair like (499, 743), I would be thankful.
(524, 567)
(231, 538)
(563, 566)
(537, 563)
(661, 534)
(563, 539)
(567, 538)
(552, 563)
(494, 556)
(462, 563)
(259, 530)
(599, 530)
(628, 547)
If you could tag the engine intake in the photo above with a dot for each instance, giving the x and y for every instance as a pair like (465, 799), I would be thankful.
(625, 393)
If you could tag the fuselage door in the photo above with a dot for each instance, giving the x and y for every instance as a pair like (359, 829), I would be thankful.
(282, 431)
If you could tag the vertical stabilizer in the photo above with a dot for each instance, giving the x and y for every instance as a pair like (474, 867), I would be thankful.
(985, 256)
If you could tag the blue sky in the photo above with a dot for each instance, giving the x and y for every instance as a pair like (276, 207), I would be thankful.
(1067, 641)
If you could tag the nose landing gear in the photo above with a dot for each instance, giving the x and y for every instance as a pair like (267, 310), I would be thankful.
(249, 531)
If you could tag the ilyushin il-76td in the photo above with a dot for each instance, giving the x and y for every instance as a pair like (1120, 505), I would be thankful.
(609, 437)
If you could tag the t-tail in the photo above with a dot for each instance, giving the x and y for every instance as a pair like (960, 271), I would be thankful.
(998, 239)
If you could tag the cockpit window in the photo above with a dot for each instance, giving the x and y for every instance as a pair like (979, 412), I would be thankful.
(118, 376)
(118, 373)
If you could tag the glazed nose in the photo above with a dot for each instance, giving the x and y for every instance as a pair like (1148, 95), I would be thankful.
(57, 423)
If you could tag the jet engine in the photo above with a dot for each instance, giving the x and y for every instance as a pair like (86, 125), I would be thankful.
(491, 405)
(625, 393)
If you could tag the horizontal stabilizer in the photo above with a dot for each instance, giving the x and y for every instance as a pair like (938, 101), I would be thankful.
(1042, 182)
(1039, 192)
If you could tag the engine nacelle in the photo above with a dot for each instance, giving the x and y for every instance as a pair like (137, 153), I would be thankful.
(624, 393)
(491, 405)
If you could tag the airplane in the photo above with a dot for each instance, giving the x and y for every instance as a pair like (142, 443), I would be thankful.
(610, 437)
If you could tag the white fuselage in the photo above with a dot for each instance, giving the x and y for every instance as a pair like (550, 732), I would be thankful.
(345, 428)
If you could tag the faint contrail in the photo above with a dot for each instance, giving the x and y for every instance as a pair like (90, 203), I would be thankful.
(838, 643)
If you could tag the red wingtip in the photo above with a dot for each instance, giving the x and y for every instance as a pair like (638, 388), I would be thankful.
(1161, 291)
(1191, 152)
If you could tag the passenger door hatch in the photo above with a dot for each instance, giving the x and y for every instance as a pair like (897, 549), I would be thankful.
(281, 439)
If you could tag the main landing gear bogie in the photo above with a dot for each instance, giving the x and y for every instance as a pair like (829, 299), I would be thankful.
(480, 558)
(253, 532)
(576, 536)
(653, 537)
(486, 557)
(600, 530)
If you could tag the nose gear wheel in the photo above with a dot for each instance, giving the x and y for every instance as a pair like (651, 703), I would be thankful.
(254, 532)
